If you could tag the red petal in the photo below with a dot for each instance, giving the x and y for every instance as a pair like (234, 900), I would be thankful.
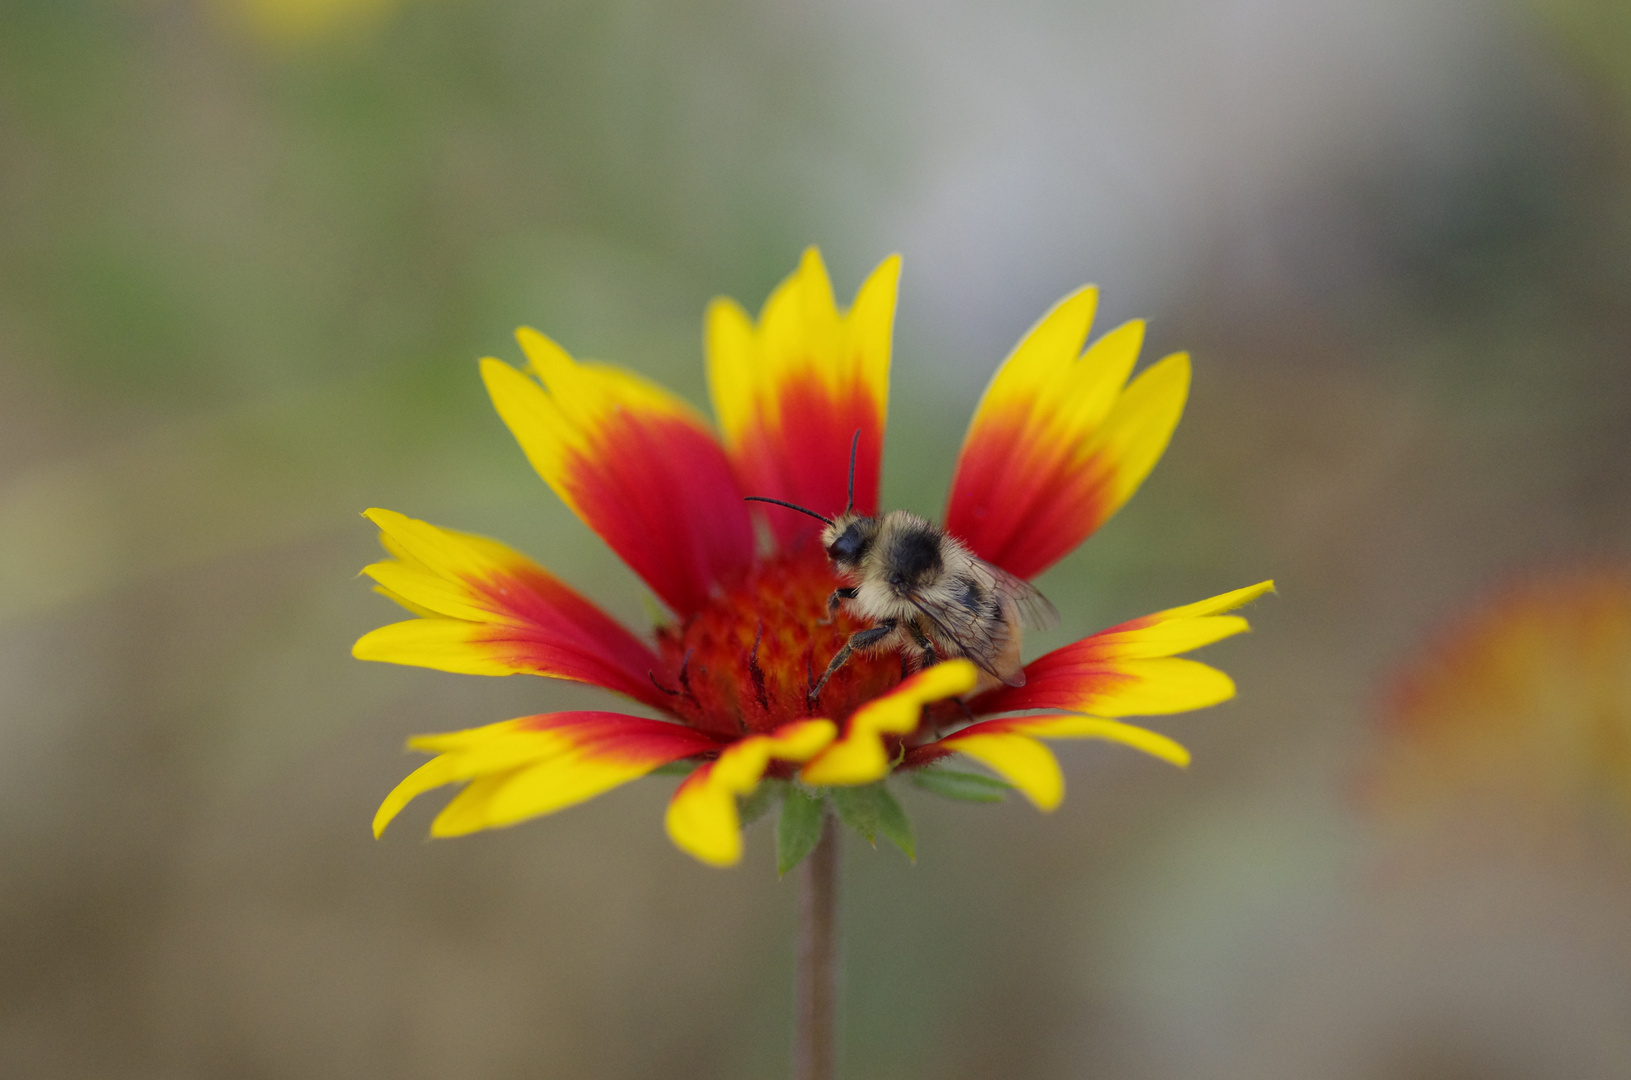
(635, 463)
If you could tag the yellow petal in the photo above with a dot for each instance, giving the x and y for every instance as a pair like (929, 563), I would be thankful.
(1218, 604)
(1009, 745)
(533, 790)
(397, 598)
(860, 757)
(702, 818)
(1092, 727)
(1137, 431)
(419, 589)
(1166, 638)
(443, 644)
(538, 764)
(1160, 686)
(432, 774)
(1043, 364)
(443, 552)
(1018, 759)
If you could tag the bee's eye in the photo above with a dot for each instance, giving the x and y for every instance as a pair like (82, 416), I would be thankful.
(850, 545)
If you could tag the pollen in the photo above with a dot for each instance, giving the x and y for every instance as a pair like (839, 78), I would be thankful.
(746, 661)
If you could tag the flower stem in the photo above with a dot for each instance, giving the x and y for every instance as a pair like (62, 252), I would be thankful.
(814, 1040)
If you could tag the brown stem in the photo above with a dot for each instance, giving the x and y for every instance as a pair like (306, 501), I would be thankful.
(814, 1041)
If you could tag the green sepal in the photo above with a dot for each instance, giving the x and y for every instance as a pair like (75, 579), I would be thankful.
(857, 807)
(799, 828)
(894, 824)
(870, 810)
(963, 786)
(753, 806)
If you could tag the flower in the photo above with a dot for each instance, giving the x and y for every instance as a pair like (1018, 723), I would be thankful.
(1059, 442)
(1516, 722)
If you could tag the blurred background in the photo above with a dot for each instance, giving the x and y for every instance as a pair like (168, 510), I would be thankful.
(251, 249)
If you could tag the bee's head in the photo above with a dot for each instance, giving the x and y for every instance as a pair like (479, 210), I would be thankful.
(847, 536)
(847, 539)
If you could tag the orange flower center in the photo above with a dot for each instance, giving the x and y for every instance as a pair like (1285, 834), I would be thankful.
(746, 662)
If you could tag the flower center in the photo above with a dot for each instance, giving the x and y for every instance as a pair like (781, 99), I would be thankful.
(746, 661)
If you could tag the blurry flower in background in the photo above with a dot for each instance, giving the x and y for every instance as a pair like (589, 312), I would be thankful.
(1060, 441)
(1514, 729)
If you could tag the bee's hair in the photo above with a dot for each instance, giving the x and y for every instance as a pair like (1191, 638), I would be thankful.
(854, 447)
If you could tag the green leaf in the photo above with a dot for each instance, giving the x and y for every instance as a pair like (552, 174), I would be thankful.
(753, 806)
(893, 823)
(799, 828)
(964, 786)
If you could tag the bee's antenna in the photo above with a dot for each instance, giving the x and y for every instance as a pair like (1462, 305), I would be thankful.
(790, 506)
(854, 447)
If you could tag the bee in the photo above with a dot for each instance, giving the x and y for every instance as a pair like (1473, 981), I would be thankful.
(925, 594)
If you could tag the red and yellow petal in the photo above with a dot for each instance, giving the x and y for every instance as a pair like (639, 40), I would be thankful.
(702, 819)
(489, 610)
(860, 756)
(535, 765)
(1061, 440)
(1130, 670)
(636, 463)
(1010, 746)
(792, 390)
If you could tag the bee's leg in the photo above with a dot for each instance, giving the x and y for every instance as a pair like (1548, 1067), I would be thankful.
(923, 642)
(861, 639)
(838, 595)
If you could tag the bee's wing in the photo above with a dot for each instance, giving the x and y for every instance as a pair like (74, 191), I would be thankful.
(982, 640)
(1035, 613)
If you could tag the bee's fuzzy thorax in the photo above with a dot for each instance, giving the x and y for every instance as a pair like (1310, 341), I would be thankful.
(927, 597)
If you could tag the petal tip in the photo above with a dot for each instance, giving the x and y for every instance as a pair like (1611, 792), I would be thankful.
(499, 376)
(723, 308)
(544, 354)
(1179, 362)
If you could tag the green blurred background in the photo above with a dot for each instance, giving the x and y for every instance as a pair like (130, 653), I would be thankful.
(251, 249)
